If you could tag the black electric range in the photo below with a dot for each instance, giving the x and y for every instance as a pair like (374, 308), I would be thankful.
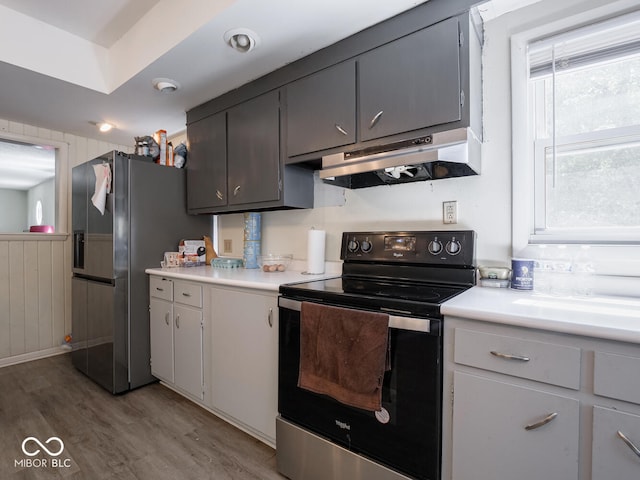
(406, 275)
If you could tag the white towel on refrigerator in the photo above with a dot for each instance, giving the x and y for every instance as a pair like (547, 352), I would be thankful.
(103, 186)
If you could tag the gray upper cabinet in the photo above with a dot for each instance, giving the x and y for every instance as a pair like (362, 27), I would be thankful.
(207, 163)
(321, 110)
(253, 157)
(411, 83)
(255, 147)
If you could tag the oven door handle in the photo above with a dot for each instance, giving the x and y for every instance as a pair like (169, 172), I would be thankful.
(395, 321)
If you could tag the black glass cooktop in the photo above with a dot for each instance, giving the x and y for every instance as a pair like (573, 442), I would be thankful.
(375, 294)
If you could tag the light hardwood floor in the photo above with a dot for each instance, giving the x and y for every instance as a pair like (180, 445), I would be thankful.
(149, 433)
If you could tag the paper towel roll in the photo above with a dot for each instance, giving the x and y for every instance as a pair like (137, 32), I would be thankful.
(315, 251)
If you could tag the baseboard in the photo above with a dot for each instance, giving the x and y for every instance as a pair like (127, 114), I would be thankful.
(28, 357)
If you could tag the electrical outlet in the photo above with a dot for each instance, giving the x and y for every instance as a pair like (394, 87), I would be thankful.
(228, 246)
(450, 212)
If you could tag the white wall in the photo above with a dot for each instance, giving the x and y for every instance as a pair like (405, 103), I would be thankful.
(13, 213)
(484, 201)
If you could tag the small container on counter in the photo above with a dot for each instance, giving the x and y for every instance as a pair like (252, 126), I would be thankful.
(497, 277)
(522, 277)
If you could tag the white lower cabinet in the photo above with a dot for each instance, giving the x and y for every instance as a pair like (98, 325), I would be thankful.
(499, 432)
(218, 346)
(187, 337)
(161, 317)
(615, 457)
(578, 396)
(176, 334)
(244, 340)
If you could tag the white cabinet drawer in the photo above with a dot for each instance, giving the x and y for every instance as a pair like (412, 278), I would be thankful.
(614, 376)
(540, 361)
(188, 294)
(507, 432)
(612, 458)
(161, 288)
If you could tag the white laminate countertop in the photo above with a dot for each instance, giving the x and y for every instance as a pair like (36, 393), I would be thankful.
(613, 318)
(238, 277)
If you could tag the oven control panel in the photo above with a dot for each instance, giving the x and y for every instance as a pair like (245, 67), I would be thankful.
(447, 247)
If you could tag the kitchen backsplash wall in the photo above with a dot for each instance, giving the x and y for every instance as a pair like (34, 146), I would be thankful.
(415, 206)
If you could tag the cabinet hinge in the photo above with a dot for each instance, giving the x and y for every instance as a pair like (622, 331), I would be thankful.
(461, 39)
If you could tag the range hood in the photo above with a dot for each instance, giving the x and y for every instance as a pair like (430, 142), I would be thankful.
(453, 153)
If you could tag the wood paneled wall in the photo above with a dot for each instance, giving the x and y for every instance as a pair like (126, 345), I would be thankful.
(35, 269)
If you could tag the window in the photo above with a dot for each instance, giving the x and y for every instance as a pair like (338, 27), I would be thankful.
(31, 174)
(583, 107)
(27, 175)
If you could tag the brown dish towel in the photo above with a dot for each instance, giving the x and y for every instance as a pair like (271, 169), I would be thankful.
(343, 354)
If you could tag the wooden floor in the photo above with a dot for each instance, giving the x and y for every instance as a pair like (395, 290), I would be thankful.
(149, 433)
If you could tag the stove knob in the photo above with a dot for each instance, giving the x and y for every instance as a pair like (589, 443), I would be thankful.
(352, 246)
(434, 247)
(366, 246)
(453, 247)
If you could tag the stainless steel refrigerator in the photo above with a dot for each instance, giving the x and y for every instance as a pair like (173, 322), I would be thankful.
(144, 215)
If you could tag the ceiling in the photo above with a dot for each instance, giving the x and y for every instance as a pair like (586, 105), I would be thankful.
(70, 64)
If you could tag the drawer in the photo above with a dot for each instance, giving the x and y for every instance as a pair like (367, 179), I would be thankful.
(188, 294)
(539, 361)
(614, 376)
(161, 288)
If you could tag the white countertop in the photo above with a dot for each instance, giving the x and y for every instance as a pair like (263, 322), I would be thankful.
(239, 277)
(613, 318)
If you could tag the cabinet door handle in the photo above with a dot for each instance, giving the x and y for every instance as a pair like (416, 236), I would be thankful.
(375, 119)
(544, 421)
(236, 190)
(166, 318)
(177, 321)
(219, 194)
(629, 443)
(510, 356)
(341, 130)
(270, 318)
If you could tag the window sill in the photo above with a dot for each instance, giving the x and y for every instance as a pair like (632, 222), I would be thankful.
(32, 236)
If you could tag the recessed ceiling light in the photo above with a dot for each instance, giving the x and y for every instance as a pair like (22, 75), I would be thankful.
(165, 85)
(104, 127)
(241, 39)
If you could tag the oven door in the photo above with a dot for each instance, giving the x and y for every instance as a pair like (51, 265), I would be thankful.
(407, 437)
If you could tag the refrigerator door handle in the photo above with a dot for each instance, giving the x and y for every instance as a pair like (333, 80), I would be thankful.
(78, 249)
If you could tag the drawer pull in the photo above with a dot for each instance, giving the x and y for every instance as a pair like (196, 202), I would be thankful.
(185, 294)
(341, 130)
(510, 356)
(544, 421)
(160, 289)
(629, 443)
(375, 119)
